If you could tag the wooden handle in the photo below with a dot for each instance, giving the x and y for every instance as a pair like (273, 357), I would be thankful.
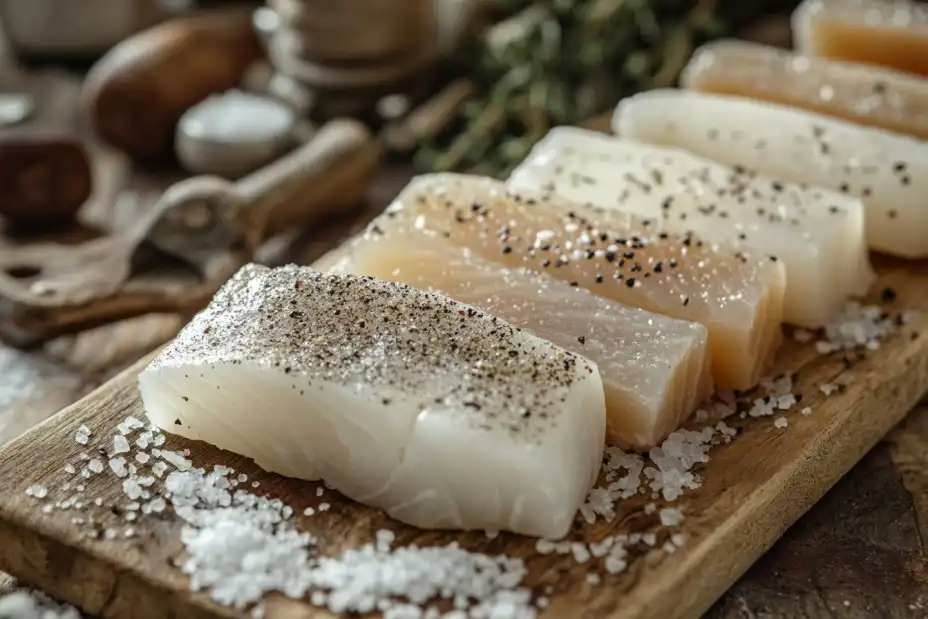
(328, 173)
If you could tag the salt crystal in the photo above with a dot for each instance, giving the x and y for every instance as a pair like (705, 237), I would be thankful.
(309, 511)
(176, 459)
(827, 388)
(242, 478)
(677, 539)
(47, 509)
(37, 491)
(324, 507)
(69, 469)
(319, 491)
(593, 579)
(544, 546)
(82, 436)
(118, 466)
(669, 547)
(159, 468)
(807, 410)
(671, 517)
(120, 444)
(491, 534)
(803, 335)
(649, 539)
(781, 422)
(95, 466)
(129, 425)
(142, 458)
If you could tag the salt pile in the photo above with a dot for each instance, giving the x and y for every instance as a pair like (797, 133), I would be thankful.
(28, 604)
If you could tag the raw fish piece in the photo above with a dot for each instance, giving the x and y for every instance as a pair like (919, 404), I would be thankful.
(818, 234)
(739, 300)
(860, 93)
(438, 413)
(655, 369)
(888, 33)
(888, 171)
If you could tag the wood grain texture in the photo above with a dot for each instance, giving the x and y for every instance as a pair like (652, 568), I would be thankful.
(754, 488)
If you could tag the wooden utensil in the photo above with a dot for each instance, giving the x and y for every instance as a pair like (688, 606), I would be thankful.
(207, 223)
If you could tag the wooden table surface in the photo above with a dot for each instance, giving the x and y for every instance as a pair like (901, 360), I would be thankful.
(860, 553)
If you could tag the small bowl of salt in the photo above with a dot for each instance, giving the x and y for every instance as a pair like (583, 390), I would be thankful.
(234, 133)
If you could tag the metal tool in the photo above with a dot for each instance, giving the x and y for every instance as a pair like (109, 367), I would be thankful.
(208, 223)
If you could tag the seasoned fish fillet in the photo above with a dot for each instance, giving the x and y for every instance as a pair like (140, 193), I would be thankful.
(739, 300)
(818, 234)
(883, 32)
(655, 370)
(860, 93)
(438, 413)
(888, 171)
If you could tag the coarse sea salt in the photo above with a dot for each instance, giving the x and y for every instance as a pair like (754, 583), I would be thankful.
(29, 604)
(240, 546)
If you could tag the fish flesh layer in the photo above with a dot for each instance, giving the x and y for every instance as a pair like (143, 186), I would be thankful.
(436, 412)
(887, 171)
(655, 369)
(739, 300)
(890, 34)
(860, 93)
(817, 234)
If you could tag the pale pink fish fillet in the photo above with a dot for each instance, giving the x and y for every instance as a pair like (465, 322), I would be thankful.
(655, 369)
(739, 300)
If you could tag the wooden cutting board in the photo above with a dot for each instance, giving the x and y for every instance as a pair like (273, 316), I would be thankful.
(753, 489)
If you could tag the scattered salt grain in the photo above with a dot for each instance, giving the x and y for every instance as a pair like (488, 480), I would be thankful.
(120, 444)
(95, 466)
(142, 458)
(593, 579)
(37, 491)
(159, 468)
(858, 326)
(671, 517)
(324, 507)
(129, 425)
(677, 539)
(82, 436)
(803, 335)
(649, 539)
(650, 508)
(319, 491)
(118, 466)
(177, 460)
(309, 511)
(828, 388)
(781, 422)
(27, 604)
(69, 469)
(674, 460)
(807, 410)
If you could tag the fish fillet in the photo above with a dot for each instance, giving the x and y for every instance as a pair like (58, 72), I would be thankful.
(888, 33)
(859, 93)
(739, 300)
(818, 234)
(438, 413)
(887, 171)
(655, 370)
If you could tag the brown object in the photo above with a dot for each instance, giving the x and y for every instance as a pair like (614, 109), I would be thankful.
(340, 31)
(863, 94)
(137, 92)
(45, 177)
(753, 489)
(889, 34)
(208, 223)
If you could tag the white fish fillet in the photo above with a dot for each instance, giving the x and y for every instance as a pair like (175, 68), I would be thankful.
(818, 234)
(739, 300)
(436, 412)
(888, 171)
(655, 370)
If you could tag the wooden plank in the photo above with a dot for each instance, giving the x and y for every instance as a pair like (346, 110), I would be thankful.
(754, 488)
